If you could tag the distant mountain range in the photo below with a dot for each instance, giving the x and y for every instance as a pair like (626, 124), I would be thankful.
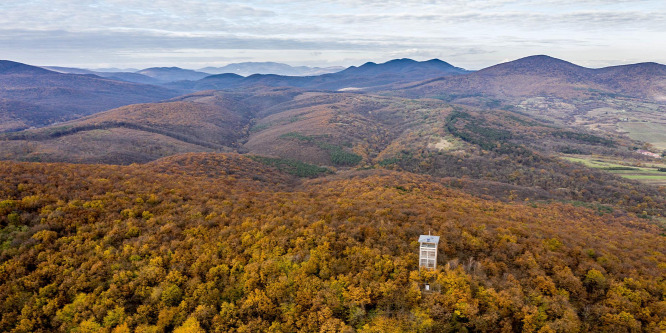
(158, 75)
(249, 68)
(242, 75)
(353, 78)
(153, 75)
(534, 75)
(421, 116)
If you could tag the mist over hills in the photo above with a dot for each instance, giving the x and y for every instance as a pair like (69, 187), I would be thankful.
(170, 74)
(243, 75)
(160, 75)
(153, 75)
(249, 68)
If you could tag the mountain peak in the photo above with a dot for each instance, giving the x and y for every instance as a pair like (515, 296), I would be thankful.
(172, 68)
(169, 74)
(405, 65)
(401, 61)
(367, 64)
(542, 59)
(535, 65)
(436, 61)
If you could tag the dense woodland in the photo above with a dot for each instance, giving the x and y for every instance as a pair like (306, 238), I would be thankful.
(216, 242)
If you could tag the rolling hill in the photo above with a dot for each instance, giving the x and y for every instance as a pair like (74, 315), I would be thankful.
(32, 96)
(206, 121)
(137, 133)
(503, 154)
(644, 80)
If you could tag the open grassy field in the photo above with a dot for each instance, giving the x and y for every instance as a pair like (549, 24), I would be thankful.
(644, 172)
(651, 132)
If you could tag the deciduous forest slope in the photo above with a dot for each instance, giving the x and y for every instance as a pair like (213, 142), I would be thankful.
(218, 247)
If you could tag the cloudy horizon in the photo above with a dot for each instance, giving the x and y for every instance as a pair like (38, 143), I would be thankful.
(196, 33)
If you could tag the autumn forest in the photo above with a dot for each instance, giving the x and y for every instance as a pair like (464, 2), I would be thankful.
(295, 204)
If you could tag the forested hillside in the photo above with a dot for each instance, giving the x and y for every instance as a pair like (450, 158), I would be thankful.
(223, 243)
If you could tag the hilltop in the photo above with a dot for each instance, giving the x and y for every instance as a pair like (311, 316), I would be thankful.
(504, 155)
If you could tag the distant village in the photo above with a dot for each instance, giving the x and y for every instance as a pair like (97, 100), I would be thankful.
(648, 153)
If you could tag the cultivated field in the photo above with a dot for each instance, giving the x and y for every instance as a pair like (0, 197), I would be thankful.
(644, 172)
(651, 132)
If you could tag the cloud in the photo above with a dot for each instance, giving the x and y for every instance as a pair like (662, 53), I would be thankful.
(123, 39)
(473, 31)
(579, 20)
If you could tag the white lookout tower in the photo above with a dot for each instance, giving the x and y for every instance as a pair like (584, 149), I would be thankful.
(428, 251)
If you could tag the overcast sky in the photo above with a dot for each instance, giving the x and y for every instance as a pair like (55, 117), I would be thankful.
(198, 33)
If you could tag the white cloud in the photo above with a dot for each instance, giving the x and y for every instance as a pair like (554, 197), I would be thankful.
(471, 33)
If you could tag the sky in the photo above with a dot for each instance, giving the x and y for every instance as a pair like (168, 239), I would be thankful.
(193, 34)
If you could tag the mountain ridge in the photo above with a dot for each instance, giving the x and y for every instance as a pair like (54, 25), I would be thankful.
(49, 96)
(367, 75)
